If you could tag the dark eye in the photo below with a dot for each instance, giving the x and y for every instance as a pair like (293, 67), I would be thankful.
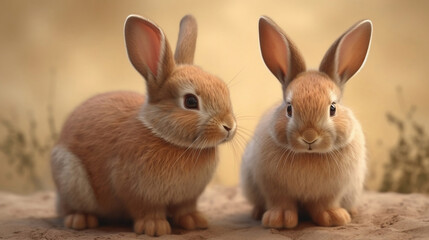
(289, 110)
(332, 109)
(191, 101)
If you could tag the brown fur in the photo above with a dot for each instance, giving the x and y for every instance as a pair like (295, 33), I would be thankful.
(185, 47)
(122, 155)
(115, 116)
(308, 160)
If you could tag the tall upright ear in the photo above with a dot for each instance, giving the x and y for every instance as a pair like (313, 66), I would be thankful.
(348, 53)
(279, 53)
(148, 50)
(185, 49)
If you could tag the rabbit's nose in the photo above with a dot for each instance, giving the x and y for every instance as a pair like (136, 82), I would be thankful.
(228, 123)
(309, 143)
(227, 128)
(230, 128)
(309, 136)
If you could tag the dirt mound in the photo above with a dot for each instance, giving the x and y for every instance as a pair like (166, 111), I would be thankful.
(381, 216)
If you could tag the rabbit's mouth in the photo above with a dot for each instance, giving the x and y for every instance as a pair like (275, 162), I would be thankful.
(310, 143)
(319, 145)
(228, 137)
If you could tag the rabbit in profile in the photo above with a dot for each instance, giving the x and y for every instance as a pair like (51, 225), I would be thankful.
(307, 153)
(123, 155)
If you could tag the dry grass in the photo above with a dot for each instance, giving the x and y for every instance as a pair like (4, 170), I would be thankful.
(408, 168)
(22, 148)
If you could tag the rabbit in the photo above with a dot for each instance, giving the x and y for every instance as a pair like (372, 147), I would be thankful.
(308, 153)
(125, 156)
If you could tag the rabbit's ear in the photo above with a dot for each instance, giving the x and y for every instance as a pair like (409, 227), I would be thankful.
(185, 49)
(279, 54)
(348, 54)
(148, 50)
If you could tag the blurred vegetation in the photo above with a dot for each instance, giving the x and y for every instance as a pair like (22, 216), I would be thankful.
(22, 148)
(408, 168)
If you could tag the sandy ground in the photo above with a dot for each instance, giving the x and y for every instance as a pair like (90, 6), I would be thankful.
(381, 216)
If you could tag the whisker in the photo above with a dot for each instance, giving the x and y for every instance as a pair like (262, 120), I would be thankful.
(199, 153)
(245, 131)
(287, 159)
(235, 144)
(280, 160)
(202, 147)
(186, 150)
(230, 83)
(241, 139)
(235, 154)
(239, 117)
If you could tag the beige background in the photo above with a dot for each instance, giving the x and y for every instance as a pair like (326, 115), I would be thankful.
(59, 53)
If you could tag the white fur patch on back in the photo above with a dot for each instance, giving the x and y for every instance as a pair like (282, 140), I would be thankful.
(74, 187)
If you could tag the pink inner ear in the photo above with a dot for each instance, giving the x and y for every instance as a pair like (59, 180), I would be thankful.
(149, 47)
(143, 40)
(353, 50)
(273, 48)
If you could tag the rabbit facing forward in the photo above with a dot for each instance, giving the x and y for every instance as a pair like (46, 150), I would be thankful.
(307, 153)
(122, 155)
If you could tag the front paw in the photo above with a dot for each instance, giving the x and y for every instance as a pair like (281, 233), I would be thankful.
(80, 221)
(193, 220)
(152, 227)
(279, 218)
(332, 217)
